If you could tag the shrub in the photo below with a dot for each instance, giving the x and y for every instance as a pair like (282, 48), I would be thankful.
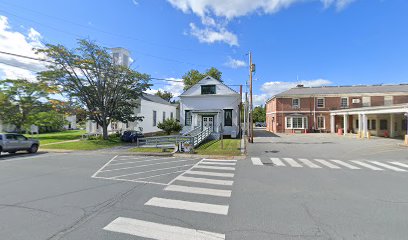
(169, 126)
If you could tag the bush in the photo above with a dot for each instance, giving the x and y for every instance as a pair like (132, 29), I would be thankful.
(169, 126)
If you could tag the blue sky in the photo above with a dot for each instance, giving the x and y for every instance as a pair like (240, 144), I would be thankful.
(314, 42)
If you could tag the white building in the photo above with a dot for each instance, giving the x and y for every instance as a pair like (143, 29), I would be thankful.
(71, 122)
(210, 103)
(152, 108)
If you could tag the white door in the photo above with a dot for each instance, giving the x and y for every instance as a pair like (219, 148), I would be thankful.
(208, 122)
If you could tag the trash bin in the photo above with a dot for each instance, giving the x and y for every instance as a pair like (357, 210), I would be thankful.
(340, 131)
(233, 134)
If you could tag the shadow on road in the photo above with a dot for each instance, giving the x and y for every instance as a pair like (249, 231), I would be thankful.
(261, 132)
(7, 156)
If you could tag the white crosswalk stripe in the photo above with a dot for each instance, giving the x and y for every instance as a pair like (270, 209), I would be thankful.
(292, 162)
(215, 174)
(219, 163)
(400, 164)
(197, 190)
(308, 163)
(388, 166)
(187, 205)
(327, 164)
(256, 161)
(214, 167)
(159, 231)
(367, 165)
(206, 180)
(277, 162)
(347, 165)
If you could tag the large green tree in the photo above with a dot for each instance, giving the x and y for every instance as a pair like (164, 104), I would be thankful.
(259, 114)
(165, 95)
(89, 75)
(194, 76)
(20, 99)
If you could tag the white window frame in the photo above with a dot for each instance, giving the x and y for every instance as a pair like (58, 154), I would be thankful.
(296, 106)
(341, 102)
(324, 122)
(289, 120)
(324, 102)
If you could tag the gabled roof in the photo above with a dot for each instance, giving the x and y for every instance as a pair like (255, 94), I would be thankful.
(154, 98)
(345, 90)
(206, 78)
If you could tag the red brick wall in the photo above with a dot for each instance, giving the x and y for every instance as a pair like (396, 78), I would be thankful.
(400, 99)
(377, 101)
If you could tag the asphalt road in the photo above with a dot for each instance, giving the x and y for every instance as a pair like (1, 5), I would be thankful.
(96, 195)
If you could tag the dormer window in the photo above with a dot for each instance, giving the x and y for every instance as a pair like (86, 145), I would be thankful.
(207, 89)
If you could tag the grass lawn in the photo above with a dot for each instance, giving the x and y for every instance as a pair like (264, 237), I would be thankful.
(154, 150)
(213, 147)
(58, 136)
(86, 144)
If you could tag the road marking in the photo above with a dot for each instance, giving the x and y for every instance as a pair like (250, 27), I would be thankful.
(197, 190)
(205, 180)
(345, 164)
(155, 170)
(219, 163)
(215, 168)
(96, 173)
(159, 231)
(327, 164)
(256, 161)
(277, 162)
(367, 165)
(215, 174)
(308, 163)
(146, 165)
(400, 164)
(119, 162)
(190, 206)
(218, 160)
(159, 175)
(388, 166)
(292, 162)
(20, 157)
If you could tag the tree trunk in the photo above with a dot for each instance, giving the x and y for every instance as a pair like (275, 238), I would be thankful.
(105, 130)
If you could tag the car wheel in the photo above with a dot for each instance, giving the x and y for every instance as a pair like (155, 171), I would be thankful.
(33, 148)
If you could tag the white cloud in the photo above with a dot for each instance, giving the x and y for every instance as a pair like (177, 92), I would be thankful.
(269, 89)
(135, 2)
(15, 42)
(235, 63)
(175, 86)
(212, 12)
(213, 34)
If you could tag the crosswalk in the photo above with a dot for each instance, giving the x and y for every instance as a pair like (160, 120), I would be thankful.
(209, 178)
(317, 163)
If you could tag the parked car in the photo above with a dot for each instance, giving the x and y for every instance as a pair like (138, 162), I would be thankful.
(13, 142)
(260, 124)
(131, 136)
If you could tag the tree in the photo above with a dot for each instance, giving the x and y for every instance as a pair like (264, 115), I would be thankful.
(194, 76)
(165, 95)
(21, 99)
(169, 126)
(47, 121)
(89, 75)
(259, 114)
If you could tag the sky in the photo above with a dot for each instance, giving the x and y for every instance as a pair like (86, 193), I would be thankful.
(310, 42)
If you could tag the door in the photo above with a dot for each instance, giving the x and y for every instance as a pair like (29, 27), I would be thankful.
(208, 122)
(23, 142)
(10, 142)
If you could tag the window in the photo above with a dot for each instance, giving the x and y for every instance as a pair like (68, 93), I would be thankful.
(344, 102)
(208, 89)
(295, 103)
(21, 138)
(320, 103)
(383, 124)
(296, 122)
(10, 137)
(164, 116)
(321, 122)
(1, 137)
(404, 124)
(188, 118)
(154, 118)
(373, 124)
(227, 117)
(171, 115)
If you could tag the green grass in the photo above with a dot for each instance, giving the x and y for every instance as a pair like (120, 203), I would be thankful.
(213, 147)
(86, 144)
(46, 138)
(153, 150)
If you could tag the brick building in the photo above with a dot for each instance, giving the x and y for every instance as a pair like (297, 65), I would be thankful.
(379, 110)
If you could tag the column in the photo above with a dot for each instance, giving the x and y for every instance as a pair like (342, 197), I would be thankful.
(365, 127)
(332, 124)
(392, 125)
(360, 126)
(345, 126)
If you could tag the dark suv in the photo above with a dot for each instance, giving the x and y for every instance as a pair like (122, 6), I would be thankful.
(131, 136)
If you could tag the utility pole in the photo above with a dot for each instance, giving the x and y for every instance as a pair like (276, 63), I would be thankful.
(251, 121)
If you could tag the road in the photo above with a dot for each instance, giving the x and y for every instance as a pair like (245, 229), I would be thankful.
(285, 189)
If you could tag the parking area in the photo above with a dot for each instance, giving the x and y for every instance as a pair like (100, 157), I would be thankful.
(145, 169)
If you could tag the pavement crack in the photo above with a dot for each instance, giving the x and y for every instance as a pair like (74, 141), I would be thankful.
(25, 207)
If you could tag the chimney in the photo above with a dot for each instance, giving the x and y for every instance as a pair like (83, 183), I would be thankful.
(300, 86)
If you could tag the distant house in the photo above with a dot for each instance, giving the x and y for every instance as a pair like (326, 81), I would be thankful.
(211, 103)
(6, 127)
(71, 122)
(152, 108)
